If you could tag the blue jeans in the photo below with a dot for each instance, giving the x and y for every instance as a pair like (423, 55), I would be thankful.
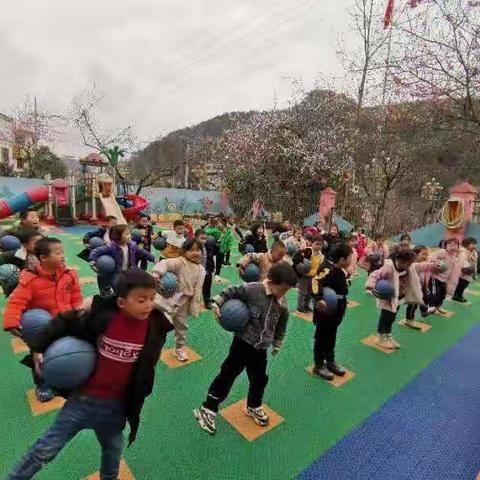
(105, 417)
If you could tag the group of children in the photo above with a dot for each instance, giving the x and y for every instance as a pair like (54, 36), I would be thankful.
(129, 321)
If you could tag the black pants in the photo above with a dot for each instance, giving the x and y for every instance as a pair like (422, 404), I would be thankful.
(241, 356)
(462, 285)
(227, 258)
(106, 284)
(412, 308)
(325, 339)
(219, 262)
(207, 288)
(143, 263)
(438, 292)
(385, 321)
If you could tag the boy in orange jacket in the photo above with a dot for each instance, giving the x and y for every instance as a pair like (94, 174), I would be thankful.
(50, 286)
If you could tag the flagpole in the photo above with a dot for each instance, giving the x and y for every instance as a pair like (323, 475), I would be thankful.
(387, 66)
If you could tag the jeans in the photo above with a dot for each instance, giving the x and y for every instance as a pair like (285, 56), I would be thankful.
(385, 321)
(462, 285)
(241, 356)
(325, 339)
(105, 417)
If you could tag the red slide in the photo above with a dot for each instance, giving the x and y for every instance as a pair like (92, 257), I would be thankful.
(139, 204)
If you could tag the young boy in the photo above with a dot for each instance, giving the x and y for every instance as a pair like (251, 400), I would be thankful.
(175, 239)
(24, 257)
(129, 335)
(102, 232)
(225, 242)
(145, 225)
(28, 220)
(264, 261)
(375, 254)
(266, 327)
(208, 263)
(468, 258)
(314, 254)
(335, 276)
(50, 286)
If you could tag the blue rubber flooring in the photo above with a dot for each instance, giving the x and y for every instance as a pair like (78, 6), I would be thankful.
(429, 431)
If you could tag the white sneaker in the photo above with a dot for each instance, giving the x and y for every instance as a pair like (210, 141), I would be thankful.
(441, 311)
(393, 341)
(258, 414)
(218, 279)
(384, 341)
(181, 355)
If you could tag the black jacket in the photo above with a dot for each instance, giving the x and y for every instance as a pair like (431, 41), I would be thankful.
(211, 252)
(99, 232)
(91, 325)
(299, 256)
(258, 243)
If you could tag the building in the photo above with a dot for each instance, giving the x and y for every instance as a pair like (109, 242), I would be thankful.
(6, 137)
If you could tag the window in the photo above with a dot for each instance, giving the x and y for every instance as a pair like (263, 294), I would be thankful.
(476, 211)
(20, 163)
(5, 155)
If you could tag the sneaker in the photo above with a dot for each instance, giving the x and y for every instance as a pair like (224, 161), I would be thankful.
(460, 299)
(441, 311)
(336, 369)
(181, 355)
(429, 311)
(206, 419)
(384, 341)
(208, 305)
(218, 279)
(44, 393)
(393, 341)
(412, 324)
(228, 264)
(323, 372)
(258, 414)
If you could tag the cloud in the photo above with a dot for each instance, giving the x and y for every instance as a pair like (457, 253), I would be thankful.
(164, 65)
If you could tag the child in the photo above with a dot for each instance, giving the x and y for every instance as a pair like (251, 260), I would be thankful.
(50, 286)
(443, 283)
(468, 258)
(145, 226)
(24, 257)
(294, 238)
(225, 243)
(331, 238)
(186, 300)
(28, 220)
(189, 232)
(406, 240)
(208, 263)
(128, 334)
(375, 254)
(175, 239)
(101, 232)
(264, 261)
(352, 241)
(314, 254)
(266, 327)
(421, 253)
(256, 239)
(333, 275)
(362, 242)
(401, 271)
(124, 251)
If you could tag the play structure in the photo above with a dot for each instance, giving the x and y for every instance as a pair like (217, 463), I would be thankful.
(91, 196)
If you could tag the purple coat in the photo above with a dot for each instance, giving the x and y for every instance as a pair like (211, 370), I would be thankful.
(135, 253)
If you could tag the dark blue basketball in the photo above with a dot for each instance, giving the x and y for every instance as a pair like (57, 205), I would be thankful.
(168, 284)
(234, 315)
(291, 249)
(33, 323)
(9, 275)
(212, 241)
(249, 248)
(137, 235)
(304, 267)
(95, 242)
(68, 363)
(384, 290)
(9, 243)
(251, 273)
(159, 243)
(330, 298)
(106, 264)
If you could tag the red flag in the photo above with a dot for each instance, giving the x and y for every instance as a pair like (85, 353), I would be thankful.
(387, 19)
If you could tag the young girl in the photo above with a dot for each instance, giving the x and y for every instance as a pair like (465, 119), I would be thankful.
(124, 251)
(402, 272)
(406, 240)
(351, 240)
(468, 258)
(361, 242)
(424, 276)
(332, 238)
(443, 281)
(256, 239)
(234, 228)
(375, 254)
(186, 300)
(225, 242)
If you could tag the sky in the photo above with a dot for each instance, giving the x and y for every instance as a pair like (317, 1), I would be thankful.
(166, 64)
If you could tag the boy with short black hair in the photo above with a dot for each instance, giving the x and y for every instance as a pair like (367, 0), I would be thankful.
(129, 335)
(332, 274)
(175, 239)
(208, 263)
(28, 220)
(266, 328)
(145, 226)
(264, 261)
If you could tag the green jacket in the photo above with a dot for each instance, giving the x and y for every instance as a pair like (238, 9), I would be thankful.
(224, 238)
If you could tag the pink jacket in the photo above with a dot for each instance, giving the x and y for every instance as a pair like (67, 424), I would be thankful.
(451, 276)
(414, 294)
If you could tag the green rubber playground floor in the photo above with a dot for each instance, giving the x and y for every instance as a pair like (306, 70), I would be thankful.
(315, 414)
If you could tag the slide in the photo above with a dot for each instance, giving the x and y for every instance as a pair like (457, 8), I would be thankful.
(111, 207)
(22, 201)
(137, 205)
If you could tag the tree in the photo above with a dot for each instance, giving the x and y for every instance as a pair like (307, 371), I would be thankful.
(44, 162)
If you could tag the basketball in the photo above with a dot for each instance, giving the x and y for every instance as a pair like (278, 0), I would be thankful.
(168, 284)
(159, 243)
(234, 315)
(95, 242)
(251, 273)
(384, 290)
(291, 249)
(9, 243)
(137, 235)
(106, 264)
(33, 323)
(68, 363)
(211, 241)
(330, 298)
(9, 275)
(249, 248)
